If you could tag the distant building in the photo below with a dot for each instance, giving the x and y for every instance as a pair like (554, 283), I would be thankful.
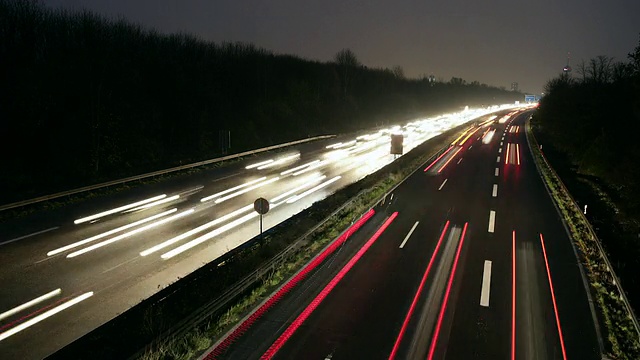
(514, 86)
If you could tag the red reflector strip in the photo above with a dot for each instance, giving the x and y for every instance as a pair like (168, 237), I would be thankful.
(396, 346)
(286, 335)
(443, 308)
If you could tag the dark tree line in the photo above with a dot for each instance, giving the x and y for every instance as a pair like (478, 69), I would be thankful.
(85, 99)
(594, 118)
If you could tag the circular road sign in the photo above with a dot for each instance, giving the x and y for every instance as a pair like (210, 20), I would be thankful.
(261, 206)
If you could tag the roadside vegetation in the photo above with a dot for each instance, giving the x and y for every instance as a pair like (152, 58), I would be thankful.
(587, 123)
(85, 99)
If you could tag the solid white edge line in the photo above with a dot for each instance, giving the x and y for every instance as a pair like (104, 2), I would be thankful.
(29, 235)
(492, 220)
(495, 190)
(30, 303)
(409, 234)
(486, 284)
(44, 315)
(441, 186)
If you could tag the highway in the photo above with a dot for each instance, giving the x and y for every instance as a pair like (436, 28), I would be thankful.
(466, 259)
(71, 269)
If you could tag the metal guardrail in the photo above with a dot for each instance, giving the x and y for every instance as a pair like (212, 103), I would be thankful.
(592, 233)
(156, 173)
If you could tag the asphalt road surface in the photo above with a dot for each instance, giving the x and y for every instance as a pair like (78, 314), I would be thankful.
(471, 261)
(69, 270)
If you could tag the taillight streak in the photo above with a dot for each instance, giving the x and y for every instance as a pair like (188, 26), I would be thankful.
(518, 152)
(513, 295)
(449, 160)
(286, 335)
(506, 161)
(443, 307)
(403, 329)
(438, 159)
(553, 298)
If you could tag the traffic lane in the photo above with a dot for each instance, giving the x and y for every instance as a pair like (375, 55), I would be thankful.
(531, 212)
(258, 337)
(118, 289)
(215, 176)
(362, 316)
(470, 330)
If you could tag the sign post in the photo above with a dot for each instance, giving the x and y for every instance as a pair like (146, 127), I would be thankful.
(261, 206)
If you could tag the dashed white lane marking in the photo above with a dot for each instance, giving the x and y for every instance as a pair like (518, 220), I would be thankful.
(498, 160)
(441, 186)
(409, 234)
(486, 284)
(497, 172)
(492, 220)
(495, 190)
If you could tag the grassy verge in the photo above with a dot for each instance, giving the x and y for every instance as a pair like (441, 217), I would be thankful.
(620, 336)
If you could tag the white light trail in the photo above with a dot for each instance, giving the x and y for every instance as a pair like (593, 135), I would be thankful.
(279, 161)
(110, 232)
(45, 315)
(159, 202)
(258, 164)
(197, 241)
(29, 304)
(299, 167)
(207, 198)
(314, 189)
(130, 233)
(293, 191)
(196, 230)
(246, 190)
(313, 167)
(118, 209)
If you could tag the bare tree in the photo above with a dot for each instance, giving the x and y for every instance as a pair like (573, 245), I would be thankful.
(398, 72)
(347, 61)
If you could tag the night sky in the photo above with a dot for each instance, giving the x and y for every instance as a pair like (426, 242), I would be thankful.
(496, 42)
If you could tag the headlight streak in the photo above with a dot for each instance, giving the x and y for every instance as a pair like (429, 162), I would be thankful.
(314, 189)
(313, 167)
(207, 198)
(130, 233)
(293, 191)
(279, 161)
(118, 209)
(199, 240)
(286, 172)
(30, 303)
(246, 190)
(196, 230)
(110, 232)
(159, 202)
(44, 315)
(258, 164)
